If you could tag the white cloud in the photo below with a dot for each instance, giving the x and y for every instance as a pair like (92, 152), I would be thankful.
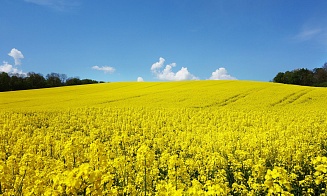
(13, 69)
(308, 34)
(41, 2)
(59, 5)
(313, 30)
(168, 74)
(158, 65)
(221, 74)
(140, 79)
(106, 69)
(17, 55)
(8, 68)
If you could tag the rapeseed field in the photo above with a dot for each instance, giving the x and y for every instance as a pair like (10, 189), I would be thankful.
(164, 138)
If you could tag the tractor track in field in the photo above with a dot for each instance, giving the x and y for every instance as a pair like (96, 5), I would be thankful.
(127, 98)
(231, 99)
(291, 98)
(122, 99)
(226, 101)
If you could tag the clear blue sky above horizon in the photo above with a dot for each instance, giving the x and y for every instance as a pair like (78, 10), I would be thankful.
(163, 39)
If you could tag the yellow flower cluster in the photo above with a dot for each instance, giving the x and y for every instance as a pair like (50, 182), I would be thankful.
(182, 138)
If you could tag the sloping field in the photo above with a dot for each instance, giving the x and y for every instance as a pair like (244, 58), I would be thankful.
(164, 138)
(191, 94)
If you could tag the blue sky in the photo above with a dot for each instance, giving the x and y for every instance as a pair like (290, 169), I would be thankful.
(122, 40)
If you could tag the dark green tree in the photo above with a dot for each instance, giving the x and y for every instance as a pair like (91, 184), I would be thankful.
(288, 77)
(320, 75)
(88, 81)
(73, 81)
(303, 77)
(4, 81)
(53, 80)
(17, 82)
(279, 78)
(34, 81)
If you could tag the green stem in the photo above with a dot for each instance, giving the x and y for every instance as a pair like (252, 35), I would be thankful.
(144, 176)
(20, 187)
(176, 175)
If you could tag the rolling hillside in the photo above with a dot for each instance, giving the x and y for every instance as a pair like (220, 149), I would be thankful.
(190, 94)
(164, 138)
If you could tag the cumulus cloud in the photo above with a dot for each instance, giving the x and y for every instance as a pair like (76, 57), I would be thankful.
(105, 69)
(168, 74)
(8, 68)
(158, 65)
(13, 69)
(17, 55)
(140, 79)
(221, 74)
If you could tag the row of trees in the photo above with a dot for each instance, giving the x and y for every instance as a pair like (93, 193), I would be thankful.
(12, 82)
(305, 77)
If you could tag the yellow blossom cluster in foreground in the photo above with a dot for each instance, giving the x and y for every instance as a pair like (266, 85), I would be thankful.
(164, 138)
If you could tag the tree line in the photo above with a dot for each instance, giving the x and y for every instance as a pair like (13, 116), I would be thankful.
(305, 77)
(12, 82)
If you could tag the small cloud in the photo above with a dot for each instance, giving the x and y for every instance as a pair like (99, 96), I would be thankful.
(13, 69)
(41, 2)
(140, 79)
(17, 55)
(59, 5)
(106, 69)
(313, 30)
(168, 74)
(158, 65)
(308, 34)
(221, 74)
(8, 68)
